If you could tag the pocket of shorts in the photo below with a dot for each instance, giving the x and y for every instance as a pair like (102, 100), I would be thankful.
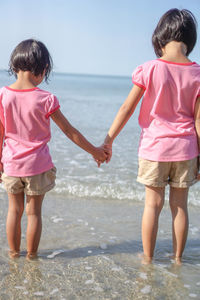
(52, 173)
(54, 170)
(3, 176)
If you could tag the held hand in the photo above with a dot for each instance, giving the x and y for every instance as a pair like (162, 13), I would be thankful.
(108, 149)
(100, 156)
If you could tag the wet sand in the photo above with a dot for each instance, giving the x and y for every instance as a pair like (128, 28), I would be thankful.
(89, 250)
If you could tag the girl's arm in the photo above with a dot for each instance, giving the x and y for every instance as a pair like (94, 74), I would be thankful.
(197, 124)
(73, 134)
(1, 146)
(123, 115)
(197, 120)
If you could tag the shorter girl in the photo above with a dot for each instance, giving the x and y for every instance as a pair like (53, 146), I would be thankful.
(25, 112)
(169, 147)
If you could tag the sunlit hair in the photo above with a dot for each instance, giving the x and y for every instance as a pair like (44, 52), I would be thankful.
(175, 25)
(31, 55)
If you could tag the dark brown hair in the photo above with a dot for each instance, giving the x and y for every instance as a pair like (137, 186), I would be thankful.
(175, 25)
(31, 55)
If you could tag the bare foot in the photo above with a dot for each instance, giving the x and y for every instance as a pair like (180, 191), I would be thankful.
(145, 260)
(13, 254)
(31, 256)
(178, 261)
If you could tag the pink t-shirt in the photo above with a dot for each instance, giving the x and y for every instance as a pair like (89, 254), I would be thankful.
(25, 116)
(167, 110)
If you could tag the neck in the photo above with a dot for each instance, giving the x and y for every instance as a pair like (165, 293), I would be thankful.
(175, 52)
(25, 80)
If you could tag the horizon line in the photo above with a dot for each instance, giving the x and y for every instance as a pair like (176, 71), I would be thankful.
(79, 74)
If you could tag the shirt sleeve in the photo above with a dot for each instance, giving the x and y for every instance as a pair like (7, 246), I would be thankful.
(138, 77)
(52, 105)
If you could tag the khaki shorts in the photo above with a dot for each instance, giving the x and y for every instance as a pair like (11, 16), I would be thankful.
(180, 174)
(30, 185)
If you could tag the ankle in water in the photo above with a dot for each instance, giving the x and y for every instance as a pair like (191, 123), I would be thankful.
(14, 254)
(31, 255)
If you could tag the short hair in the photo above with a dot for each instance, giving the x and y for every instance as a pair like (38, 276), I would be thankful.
(175, 25)
(31, 55)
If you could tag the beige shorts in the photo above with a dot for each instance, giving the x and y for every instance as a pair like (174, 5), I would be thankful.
(30, 185)
(180, 174)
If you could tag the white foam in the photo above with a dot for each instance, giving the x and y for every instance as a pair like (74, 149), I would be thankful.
(20, 287)
(105, 257)
(88, 268)
(103, 246)
(38, 293)
(194, 230)
(98, 289)
(54, 291)
(79, 220)
(146, 289)
(58, 220)
(143, 276)
(116, 269)
(187, 286)
(91, 281)
(193, 295)
(55, 253)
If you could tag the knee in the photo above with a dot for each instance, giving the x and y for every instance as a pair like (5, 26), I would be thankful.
(154, 205)
(32, 212)
(18, 211)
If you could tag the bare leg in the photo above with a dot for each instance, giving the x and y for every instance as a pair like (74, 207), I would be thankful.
(34, 226)
(154, 201)
(178, 204)
(13, 224)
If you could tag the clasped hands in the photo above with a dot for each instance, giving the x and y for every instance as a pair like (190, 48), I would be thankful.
(103, 154)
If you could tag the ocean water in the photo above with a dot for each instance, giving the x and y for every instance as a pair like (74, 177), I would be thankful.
(91, 220)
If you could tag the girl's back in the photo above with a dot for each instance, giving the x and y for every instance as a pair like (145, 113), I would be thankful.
(167, 110)
(27, 130)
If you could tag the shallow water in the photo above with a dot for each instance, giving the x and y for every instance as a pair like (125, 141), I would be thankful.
(89, 250)
(91, 220)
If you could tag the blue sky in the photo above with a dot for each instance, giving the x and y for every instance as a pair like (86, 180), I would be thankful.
(89, 36)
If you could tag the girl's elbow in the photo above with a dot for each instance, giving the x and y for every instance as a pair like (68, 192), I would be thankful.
(125, 110)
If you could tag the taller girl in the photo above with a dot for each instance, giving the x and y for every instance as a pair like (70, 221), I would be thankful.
(170, 122)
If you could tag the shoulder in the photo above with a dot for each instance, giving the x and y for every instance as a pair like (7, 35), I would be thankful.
(43, 92)
(147, 66)
(196, 67)
(45, 95)
(145, 69)
(3, 90)
(149, 63)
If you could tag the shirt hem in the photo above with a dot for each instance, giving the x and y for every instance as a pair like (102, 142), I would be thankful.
(52, 111)
(27, 174)
(139, 84)
(168, 159)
